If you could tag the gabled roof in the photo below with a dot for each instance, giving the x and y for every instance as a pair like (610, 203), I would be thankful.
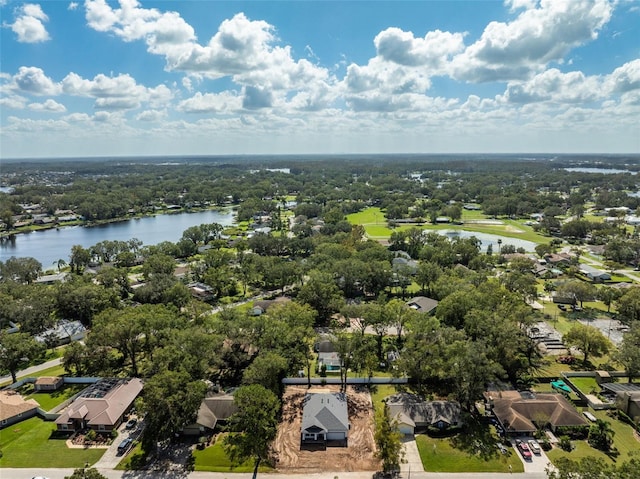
(12, 404)
(325, 412)
(103, 403)
(216, 408)
(517, 413)
(413, 410)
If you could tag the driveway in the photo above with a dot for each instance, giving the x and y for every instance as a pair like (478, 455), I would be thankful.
(538, 462)
(110, 459)
(412, 456)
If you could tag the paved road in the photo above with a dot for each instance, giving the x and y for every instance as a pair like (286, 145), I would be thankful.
(31, 370)
(111, 474)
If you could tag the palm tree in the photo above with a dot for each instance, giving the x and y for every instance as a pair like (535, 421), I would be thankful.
(601, 435)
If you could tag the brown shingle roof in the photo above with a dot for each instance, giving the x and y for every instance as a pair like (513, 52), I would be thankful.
(106, 410)
(12, 404)
(214, 409)
(518, 414)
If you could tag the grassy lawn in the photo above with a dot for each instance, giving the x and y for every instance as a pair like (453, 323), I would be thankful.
(586, 385)
(134, 460)
(626, 445)
(454, 455)
(28, 444)
(52, 371)
(368, 216)
(381, 391)
(214, 459)
(49, 400)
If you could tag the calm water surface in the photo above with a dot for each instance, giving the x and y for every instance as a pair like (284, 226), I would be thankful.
(49, 246)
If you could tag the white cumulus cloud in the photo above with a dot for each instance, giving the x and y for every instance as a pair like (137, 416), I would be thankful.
(48, 106)
(29, 24)
(537, 36)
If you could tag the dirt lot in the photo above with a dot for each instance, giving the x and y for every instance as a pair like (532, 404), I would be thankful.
(357, 456)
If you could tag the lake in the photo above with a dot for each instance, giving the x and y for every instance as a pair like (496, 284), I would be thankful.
(487, 239)
(48, 246)
(604, 171)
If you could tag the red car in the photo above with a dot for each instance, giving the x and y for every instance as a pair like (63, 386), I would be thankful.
(524, 449)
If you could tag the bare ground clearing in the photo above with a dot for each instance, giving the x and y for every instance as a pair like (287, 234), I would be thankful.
(357, 456)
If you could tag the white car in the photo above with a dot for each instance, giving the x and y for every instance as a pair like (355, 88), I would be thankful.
(534, 446)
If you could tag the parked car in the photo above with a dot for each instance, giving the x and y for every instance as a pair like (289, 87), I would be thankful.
(124, 446)
(524, 449)
(533, 445)
(131, 423)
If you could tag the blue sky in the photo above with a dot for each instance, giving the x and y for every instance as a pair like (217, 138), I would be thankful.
(109, 78)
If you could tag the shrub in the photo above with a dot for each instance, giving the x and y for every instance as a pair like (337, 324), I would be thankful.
(91, 435)
(565, 443)
(545, 444)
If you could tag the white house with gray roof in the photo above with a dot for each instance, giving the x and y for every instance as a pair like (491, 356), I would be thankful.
(325, 418)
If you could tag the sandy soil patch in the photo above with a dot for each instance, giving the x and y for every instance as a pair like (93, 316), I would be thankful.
(513, 229)
(357, 456)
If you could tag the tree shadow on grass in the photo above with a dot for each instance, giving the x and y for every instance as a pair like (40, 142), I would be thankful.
(476, 439)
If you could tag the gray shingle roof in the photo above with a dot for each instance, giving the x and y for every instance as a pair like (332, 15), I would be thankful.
(326, 411)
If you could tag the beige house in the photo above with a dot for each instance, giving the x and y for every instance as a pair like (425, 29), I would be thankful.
(413, 413)
(521, 412)
(48, 383)
(14, 408)
(101, 406)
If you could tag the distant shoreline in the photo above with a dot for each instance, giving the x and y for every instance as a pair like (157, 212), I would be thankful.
(88, 224)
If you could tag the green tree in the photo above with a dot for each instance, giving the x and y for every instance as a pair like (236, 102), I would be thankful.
(79, 259)
(254, 426)
(170, 402)
(267, 369)
(587, 339)
(22, 270)
(628, 306)
(16, 351)
(581, 290)
(628, 353)
(608, 295)
(321, 293)
(388, 440)
(91, 473)
(601, 435)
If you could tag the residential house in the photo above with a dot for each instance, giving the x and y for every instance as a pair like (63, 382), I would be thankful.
(14, 408)
(64, 332)
(48, 383)
(52, 278)
(201, 291)
(413, 413)
(214, 410)
(594, 274)
(101, 406)
(524, 412)
(325, 417)
(557, 259)
(261, 307)
(627, 397)
(423, 304)
(403, 264)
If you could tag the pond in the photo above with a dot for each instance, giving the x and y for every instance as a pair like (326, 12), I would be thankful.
(48, 246)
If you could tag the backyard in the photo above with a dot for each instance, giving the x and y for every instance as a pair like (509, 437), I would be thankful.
(32, 443)
(50, 399)
(626, 444)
